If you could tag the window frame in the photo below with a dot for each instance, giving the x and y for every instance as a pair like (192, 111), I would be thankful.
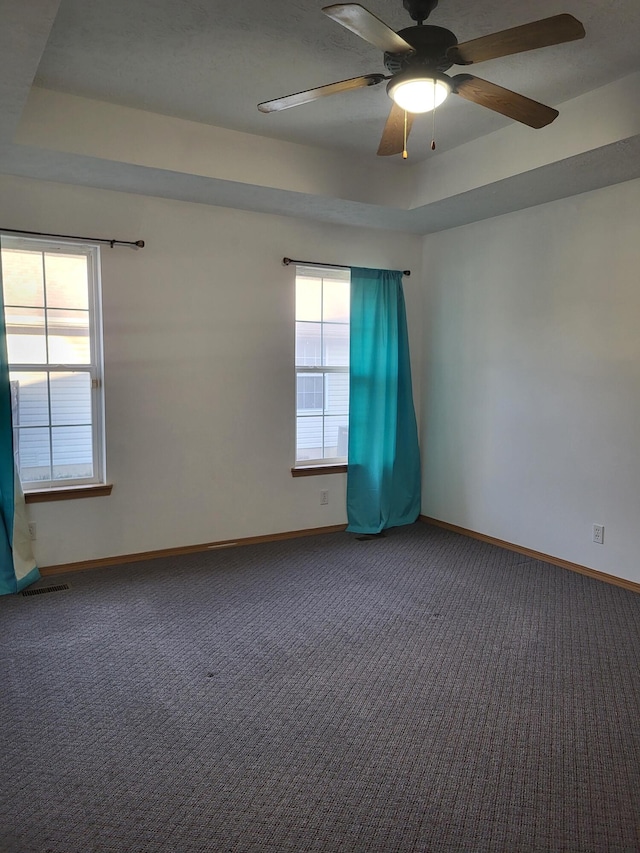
(95, 366)
(332, 463)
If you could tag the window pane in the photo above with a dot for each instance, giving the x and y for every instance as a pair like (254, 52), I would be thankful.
(335, 301)
(29, 399)
(72, 452)
(310, 392)
(34, 455)
(335, 436)
(308, 344)
(336, 344)
(67, 282)
(308, 298)
(71, 398)
(25, 335)
(68, 337)
(22, 278)
(309, 438)
(336, 399)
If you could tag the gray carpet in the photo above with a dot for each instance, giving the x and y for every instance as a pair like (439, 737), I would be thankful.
(418, 692)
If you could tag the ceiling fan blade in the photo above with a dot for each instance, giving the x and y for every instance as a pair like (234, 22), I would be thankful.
(503, 101)
(363, 23)
(544, 33)
(392, 141)
(313, 94)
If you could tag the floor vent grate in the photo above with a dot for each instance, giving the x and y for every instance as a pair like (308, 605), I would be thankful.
(44, 589)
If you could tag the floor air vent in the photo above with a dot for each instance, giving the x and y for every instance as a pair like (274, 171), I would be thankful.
(44, 589)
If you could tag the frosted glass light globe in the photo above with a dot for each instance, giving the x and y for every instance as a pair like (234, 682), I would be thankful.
(418, 94)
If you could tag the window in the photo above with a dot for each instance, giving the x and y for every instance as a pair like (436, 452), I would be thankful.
(52, 317)
(322, 365)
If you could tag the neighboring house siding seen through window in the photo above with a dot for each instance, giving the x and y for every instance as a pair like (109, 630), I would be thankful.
(322, 365)
(52, 317)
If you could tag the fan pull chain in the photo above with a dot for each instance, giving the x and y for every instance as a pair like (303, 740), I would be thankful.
(405, 153)
(433, 127)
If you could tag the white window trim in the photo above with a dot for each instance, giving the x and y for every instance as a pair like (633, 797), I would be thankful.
(96, 366)
(322, 370)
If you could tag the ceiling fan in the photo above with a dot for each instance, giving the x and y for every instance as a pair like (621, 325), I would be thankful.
(418, 57)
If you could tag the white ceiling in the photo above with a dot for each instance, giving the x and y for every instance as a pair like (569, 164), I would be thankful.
(212, 61)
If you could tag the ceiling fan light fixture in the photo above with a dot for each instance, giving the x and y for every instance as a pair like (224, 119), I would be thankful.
(419, 93)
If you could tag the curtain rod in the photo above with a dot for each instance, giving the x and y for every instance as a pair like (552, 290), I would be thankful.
(287, 261)
(138, 244)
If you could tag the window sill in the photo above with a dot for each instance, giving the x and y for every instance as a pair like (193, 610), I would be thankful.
(315, 470)
(71, 493)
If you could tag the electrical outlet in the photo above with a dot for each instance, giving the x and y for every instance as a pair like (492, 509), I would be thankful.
(324, 497)
(598, 534)
(32, 530)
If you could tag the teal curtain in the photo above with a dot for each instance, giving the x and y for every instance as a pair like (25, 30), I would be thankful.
(17, 565)
(383, 479)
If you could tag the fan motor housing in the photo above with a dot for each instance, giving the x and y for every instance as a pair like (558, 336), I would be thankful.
(430, 44)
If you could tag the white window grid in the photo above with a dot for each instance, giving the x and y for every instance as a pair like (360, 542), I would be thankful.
(311, 362)
(94, 367)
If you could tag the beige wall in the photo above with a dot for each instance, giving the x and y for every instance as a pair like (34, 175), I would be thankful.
(198, 368)
(531, 392)
(527, 354)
